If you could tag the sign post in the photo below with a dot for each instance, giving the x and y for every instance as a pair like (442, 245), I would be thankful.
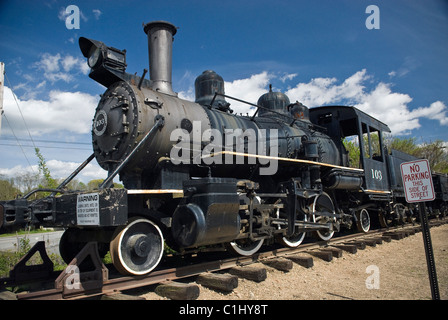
(418, 187)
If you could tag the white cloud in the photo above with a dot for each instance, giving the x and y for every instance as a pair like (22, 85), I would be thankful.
(288, 76)
(18, 170)
(60, 170)
(49, 63)
(97, 13)
(68, 63)
(70, 111)
(380, 102)
(436, 111)
(249, 89)
(321, 91)
(57, 67)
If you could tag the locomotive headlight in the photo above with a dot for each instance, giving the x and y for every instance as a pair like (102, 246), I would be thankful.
(92, 50)
(94, 57)
(99, 55)
(107, 64)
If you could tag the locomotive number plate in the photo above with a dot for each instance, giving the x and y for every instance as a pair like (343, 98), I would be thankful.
(88, 209)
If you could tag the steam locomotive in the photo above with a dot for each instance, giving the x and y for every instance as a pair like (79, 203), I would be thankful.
(197, 176)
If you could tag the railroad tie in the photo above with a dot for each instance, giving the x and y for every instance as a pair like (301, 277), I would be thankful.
(370, 242)
(281, 264)
(350, 248)
(337, 252)
(249, 273)
(378, 240)
(218, 281)
(394, 235)
(304, 261)
(322, 254)
(178, 291)
(361, 245)
(120, 296)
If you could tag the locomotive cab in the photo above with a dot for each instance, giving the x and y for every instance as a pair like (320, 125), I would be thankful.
(352, 125)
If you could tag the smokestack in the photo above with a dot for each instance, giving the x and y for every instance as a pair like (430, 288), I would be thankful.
(160, 47)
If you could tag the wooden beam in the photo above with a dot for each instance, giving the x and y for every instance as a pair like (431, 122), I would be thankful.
(178, 291)
(250, 273)
(217, 281)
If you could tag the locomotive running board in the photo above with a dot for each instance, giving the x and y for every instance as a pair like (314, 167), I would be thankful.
(298, 161)
(177, 193)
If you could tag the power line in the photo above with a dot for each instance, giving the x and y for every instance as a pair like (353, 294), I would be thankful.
(48, 141)
(23, 151)
(21, 114)
(45, 147)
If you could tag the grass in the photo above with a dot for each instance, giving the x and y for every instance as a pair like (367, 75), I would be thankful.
(25, 232)
(8, 259)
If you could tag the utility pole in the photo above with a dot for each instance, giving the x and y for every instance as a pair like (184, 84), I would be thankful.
(2, 77)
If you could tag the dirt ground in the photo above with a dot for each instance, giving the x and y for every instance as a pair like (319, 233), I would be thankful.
(391, 271)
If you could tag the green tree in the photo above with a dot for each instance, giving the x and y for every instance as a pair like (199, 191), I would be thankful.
(406, 145)
(93, 184)
(7, 189)
(354, 152)
(436, 154)
(43, 169)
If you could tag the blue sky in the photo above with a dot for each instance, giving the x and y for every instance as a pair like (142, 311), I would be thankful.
(317, 52)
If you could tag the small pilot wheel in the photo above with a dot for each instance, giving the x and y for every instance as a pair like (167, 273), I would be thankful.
(73, 241)
(69, 247)
(363, 223)
(321, 210)
(137, 248)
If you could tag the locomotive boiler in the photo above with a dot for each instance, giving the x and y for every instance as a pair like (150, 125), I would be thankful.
(197, 176)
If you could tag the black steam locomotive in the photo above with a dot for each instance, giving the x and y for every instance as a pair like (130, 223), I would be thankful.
(196, 175)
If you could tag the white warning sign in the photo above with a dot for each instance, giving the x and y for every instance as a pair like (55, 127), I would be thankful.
(417, 181)
(88, 209)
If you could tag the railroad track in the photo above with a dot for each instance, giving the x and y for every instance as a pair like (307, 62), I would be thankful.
(96, 280)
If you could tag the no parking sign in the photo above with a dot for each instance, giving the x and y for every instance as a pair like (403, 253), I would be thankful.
(417, 181)
(418, 187)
